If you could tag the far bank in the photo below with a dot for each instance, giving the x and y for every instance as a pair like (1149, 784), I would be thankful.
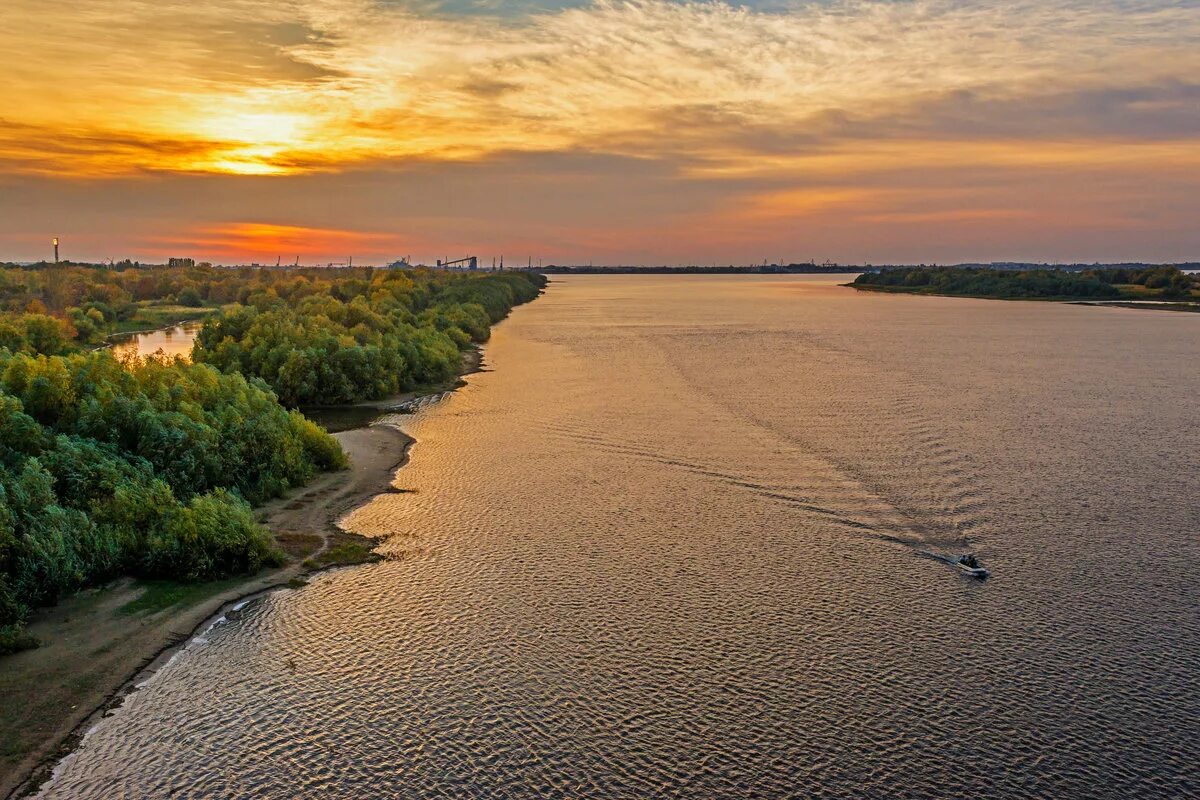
(1162, 287)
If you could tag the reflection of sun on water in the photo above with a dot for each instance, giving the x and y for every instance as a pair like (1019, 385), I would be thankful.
(175, 341)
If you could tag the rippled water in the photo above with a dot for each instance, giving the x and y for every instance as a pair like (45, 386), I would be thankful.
(174, 341)
(673, 544)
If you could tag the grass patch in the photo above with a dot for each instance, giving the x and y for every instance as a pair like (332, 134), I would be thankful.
(344, 552)
(298, 546)
(1136, 291)
(159, 595)
(14, 638)
(152, 317)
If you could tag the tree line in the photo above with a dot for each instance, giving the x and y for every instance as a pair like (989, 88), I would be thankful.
(319, 342)
(1098, 283)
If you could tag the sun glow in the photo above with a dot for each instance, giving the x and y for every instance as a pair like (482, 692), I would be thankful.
(717, 113)
(644, 78)
(268, 241)
(255, 142)
(259, 128)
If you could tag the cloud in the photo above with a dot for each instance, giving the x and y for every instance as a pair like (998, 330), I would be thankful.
(581, 207)
(288, 87)
(650, 127)
(264, 240)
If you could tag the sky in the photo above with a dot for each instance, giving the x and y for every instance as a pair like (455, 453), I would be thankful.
(639, 132)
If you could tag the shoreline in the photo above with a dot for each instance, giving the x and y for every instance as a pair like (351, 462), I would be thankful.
(140, 331)
(1114, 302)
(118, 337)
(96, 651)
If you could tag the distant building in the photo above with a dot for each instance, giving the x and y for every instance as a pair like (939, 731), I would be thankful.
(470, 262)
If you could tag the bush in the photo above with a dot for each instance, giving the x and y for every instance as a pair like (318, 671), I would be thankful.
(191, 298)
(213, 536)
(322, 449)
(14, 638)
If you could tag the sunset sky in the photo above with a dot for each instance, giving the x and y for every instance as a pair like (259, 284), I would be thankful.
(638, 132)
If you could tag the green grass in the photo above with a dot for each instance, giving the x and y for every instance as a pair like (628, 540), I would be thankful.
(14, 638)
(1134, 291)
(159, 595)
(344, 554)
(150, 318)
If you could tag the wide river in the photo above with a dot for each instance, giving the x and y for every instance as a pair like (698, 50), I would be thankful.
(676, 542)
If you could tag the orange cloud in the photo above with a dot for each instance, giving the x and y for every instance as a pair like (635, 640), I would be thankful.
(791, 203)
(265, 88)
(265, 242)
(844, 124)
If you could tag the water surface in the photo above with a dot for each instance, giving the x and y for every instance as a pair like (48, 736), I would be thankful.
(675, 543)
(170, 342)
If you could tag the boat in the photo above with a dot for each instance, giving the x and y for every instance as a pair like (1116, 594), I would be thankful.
(970, 565)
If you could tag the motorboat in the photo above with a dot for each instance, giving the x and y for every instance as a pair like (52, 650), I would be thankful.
(969, 564)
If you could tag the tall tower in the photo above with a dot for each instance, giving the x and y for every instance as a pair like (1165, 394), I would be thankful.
(55, 240)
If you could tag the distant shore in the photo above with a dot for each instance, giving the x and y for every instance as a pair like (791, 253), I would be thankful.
(925, 292)
(1164, 287)
(100, 643)
(761, 269)
(1144, 305)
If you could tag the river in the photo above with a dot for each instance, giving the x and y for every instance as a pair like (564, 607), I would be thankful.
(676, 542)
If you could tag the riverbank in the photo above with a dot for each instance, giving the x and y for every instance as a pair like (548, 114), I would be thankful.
(925, 291)
(1150, 305)
(149, 320)
(1165, 287)
(1145, 305)
(98, 644)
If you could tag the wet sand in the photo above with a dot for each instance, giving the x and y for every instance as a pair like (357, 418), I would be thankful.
(94, 652)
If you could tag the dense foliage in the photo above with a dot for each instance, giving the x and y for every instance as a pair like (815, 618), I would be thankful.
(137, 468)
(1037, 283)
(317, 338)
(89, 303)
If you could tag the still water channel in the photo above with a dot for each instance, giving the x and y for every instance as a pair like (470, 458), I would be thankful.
(174, 341)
